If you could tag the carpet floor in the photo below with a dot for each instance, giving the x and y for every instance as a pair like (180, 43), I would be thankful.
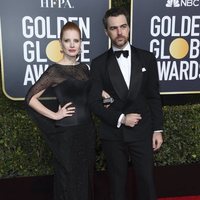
(182, 198)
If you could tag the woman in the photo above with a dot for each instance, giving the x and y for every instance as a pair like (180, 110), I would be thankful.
(69, 130)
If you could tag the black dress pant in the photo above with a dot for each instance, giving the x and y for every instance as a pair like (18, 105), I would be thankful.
(117, 154)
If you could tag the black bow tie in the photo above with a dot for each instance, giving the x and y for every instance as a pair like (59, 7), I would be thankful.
(118, 53)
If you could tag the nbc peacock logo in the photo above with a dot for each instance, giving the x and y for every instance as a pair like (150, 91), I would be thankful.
(172, 3)
(182, 3)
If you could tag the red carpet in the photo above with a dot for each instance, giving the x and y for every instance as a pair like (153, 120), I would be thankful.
(182, 198)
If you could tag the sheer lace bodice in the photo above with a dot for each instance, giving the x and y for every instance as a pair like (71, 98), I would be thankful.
(70, 84)
(56, 74)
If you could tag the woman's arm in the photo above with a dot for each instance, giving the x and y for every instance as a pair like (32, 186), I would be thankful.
(62, 112)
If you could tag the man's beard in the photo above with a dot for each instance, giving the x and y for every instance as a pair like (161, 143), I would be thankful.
(122, 42)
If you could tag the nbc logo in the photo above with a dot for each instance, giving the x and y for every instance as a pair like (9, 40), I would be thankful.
(184, 3)
(172, 3)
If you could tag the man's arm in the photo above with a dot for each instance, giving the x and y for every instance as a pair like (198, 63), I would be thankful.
(109, 114)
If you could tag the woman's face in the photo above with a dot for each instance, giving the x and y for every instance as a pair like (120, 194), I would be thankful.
(71, 42)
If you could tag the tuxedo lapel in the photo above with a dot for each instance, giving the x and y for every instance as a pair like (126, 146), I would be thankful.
(116, 76)
(136, 75)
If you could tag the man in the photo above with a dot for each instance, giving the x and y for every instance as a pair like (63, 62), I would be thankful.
(131, 126)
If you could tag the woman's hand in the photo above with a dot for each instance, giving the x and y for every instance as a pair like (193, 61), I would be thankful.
(66, 111)
(104, 96)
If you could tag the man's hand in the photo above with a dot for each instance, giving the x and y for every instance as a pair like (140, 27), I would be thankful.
(157, 140)
(131, 119)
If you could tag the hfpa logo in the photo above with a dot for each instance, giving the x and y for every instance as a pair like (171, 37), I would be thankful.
(56, 4)
(185, 3)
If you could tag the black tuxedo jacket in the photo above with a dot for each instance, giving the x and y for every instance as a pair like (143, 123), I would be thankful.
(142, 96)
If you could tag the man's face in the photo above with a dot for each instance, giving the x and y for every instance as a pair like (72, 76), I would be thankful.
(118, 30)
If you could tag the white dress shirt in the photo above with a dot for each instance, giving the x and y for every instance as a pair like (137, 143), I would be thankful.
(125, 67)
(125, 64)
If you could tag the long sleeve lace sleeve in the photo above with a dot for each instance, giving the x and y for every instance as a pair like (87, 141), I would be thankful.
(46, 80)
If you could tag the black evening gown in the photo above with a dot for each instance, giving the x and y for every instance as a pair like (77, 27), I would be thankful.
(72, 139)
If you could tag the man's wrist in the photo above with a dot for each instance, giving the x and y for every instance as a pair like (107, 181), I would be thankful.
(158, 131)
(121, 120)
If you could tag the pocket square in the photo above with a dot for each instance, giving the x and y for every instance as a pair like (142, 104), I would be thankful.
(144, 69)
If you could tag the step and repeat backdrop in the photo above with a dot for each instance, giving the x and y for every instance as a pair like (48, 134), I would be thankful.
(29, 37)
(171, 30)
(29, 33)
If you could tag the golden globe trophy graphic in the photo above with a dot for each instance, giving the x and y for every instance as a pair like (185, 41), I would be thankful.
(54, 51)
(179, 48)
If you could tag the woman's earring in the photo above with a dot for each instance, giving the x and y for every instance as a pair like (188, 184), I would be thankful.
(78, 55)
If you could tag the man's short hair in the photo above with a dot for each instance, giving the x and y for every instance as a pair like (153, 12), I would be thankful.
(114, 12)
